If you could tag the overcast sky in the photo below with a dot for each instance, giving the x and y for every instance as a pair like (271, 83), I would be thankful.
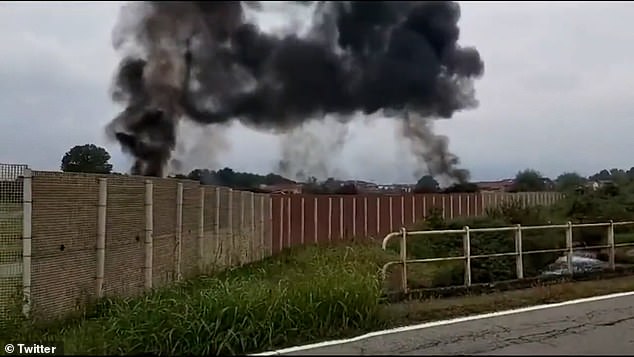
(554, 95)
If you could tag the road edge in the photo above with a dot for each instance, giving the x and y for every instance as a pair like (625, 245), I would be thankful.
(442, 323)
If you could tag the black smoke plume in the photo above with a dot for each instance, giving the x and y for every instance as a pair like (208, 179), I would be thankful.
(204, 62)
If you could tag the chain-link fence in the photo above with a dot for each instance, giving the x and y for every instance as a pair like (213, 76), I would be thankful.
(11, 186)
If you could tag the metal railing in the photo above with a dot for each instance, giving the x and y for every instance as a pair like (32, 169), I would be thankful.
(519, 253)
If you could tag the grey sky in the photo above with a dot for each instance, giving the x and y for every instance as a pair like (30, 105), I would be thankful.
(554, 95)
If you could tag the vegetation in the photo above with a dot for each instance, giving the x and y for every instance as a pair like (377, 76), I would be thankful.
(87, 158)
(310, 294)
(466, 187)
(236, 180)
(570, 181)
(427, 184)
(529, 181)
(305, 294)
(585, 206)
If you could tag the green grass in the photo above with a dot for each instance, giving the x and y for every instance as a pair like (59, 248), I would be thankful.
(316, 293)
(624, 238)
(303, 296)
(313, 294)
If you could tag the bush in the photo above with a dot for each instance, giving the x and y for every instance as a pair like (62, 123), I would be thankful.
(600, 206)
(488, 269)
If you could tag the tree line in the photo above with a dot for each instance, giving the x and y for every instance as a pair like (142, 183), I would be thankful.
(90, 158)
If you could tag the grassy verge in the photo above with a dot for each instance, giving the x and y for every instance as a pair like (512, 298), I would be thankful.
(434, 309)
(303, 296)
(313, 294)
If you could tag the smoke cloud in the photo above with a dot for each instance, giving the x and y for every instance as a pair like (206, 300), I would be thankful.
(203, 61)
(308, 151)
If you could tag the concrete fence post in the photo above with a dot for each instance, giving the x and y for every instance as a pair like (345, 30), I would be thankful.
(270, 240)
(329, 219)
(365, 216)
(468, 205)
(391, 213)
(252, 236)
(240, 237)
(262, 230)
(460, 213)
(281, 205)
(450, 205)
(340, 218)
(201, 231)
(303, 223)
(230, 249)
(378, 215)
(424, 206)
(217, 225)
(179, 232)
(149, 231)
(402, 210)
(288, 222)
(101, 236)
(481, 197)
(27, 221)
(315, 219)
(354, 216)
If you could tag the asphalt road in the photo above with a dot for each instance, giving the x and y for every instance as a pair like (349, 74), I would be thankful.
(604, 327)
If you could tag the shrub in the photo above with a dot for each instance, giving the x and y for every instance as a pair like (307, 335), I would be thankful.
(488, 269)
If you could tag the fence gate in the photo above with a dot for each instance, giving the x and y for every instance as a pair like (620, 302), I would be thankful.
(11, 208)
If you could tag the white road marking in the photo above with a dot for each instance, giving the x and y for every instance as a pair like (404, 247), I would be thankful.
(444, 323)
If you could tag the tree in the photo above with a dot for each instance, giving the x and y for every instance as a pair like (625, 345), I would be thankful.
(465, 187)
(87, 158)
(348, 189)
(603, 175)
(569, 181)
(427, 184)
(529, 181)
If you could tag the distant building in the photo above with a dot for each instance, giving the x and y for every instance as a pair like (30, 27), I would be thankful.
(597, 184)
(496, 186)
(393, 188)
(361, 186)
(288, 188)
